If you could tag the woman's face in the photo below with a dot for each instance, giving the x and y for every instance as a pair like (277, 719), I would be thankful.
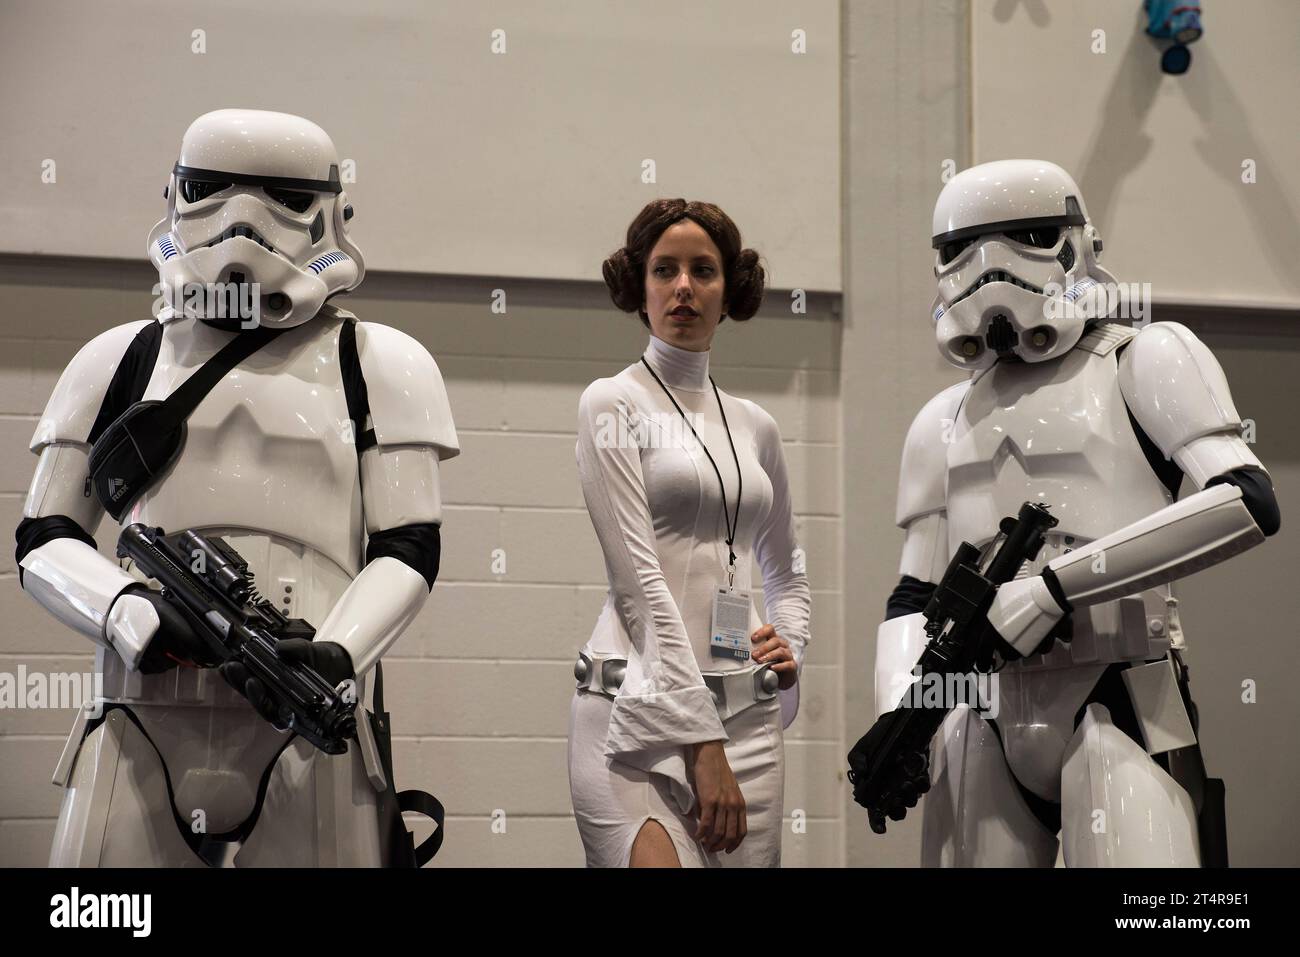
(684, 287)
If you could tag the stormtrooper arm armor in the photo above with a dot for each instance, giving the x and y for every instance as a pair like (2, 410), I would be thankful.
(59, 564)
(408, 432)
(922, 514)
(1178, 395)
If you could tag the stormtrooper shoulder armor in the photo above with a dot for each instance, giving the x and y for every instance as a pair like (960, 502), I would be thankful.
(1178, 394)
(408, 401)
(1174, 386)
(923, 475)
(74, 405)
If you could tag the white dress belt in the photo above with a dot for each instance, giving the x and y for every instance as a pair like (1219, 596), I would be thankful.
(732, 691)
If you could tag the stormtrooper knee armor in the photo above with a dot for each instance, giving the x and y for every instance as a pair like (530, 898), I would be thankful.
(1100, 422)
(317, 460)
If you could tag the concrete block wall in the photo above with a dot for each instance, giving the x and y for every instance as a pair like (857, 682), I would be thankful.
(479, 686)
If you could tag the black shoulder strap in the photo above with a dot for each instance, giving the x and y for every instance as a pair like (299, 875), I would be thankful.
(377, 695)
(130, 378)
(354, 386)
(190, 393)
(420, 802)
(133, 373)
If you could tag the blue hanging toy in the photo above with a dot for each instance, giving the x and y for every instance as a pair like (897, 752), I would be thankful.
(1177, 20)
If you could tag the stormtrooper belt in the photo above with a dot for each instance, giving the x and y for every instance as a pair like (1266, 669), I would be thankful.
(732, 691)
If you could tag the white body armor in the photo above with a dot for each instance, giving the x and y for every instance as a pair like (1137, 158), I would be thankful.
(1099, 423)
(1059, 433)
(271, 465)
(1089, 468)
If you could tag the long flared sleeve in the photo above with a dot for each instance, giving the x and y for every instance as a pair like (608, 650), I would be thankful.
(663, 705)
(786, 596)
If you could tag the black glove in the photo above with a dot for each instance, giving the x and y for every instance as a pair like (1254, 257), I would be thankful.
(175, 642)
(327, 658)
(902, 785)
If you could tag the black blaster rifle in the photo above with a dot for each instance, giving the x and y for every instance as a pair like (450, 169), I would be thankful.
(889, 766)
(209, 582)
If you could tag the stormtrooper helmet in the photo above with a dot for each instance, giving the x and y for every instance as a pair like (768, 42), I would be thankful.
(255, 206)
(1016, 264)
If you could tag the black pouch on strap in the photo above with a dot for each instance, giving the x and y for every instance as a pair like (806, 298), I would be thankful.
(143, 442)
(139, 445)
(397, 843)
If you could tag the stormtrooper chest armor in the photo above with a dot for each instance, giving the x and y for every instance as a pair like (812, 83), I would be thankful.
(270, 465)
(1058, 433)
(269, 450)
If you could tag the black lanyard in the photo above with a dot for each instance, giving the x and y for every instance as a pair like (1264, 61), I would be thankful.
(734, 523)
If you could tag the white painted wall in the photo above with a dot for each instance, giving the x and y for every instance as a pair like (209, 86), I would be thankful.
(467, 161)
(1159, 158)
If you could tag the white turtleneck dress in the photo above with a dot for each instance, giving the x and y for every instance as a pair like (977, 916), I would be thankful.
(656, 505)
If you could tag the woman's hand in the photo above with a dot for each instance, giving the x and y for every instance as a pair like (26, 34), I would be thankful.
(772, 647)
(722, 806)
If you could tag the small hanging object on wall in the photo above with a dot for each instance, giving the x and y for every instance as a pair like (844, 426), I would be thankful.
(1177, 20)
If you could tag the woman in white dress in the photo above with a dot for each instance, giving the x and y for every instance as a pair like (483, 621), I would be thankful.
(675, 731)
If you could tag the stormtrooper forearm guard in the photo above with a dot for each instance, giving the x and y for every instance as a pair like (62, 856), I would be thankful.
(60, 567)
(1177, 393)
(1195, 533)
(75, 583)
(1185, 537)
(380, 603)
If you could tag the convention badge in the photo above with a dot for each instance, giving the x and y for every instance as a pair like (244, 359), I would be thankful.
(729, 636)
